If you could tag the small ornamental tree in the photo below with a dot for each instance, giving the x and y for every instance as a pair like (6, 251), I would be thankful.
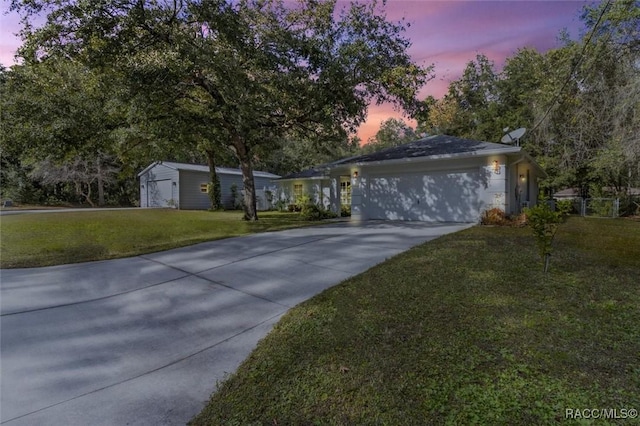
(544, 222)
(235, 202)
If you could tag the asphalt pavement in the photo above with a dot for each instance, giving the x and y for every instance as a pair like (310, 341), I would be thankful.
(145, 340)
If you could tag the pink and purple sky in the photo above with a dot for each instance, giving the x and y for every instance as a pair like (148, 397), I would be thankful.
(446, 33)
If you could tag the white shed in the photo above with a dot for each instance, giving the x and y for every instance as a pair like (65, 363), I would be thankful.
(184, 186)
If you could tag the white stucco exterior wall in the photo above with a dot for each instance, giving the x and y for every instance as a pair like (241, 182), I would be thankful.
(435, 189)
(495, 194)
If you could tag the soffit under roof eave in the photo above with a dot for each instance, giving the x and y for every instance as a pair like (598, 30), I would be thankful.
(302, 178)
(524, 156)
(149, 167)
(535, 164)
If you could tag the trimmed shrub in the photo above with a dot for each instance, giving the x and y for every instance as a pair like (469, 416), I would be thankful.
(312, 211)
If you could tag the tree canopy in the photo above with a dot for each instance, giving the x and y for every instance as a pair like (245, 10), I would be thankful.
(580, 102)
(283, 85)
(392, 132)
(254, 72)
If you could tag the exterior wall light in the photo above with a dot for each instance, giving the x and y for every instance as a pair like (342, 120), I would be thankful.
(496, 167)
(355, 174)
(522, 178)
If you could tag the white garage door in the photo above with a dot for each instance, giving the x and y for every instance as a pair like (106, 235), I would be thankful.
(442, 197)
(159, 192)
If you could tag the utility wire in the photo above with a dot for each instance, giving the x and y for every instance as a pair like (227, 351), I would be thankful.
(575, 66)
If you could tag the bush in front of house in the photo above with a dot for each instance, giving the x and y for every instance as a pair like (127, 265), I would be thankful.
(494, 216)
(345, 211)
(300, 203)
(497, 217)
(280, 205)
(313, 211)
(310, 210)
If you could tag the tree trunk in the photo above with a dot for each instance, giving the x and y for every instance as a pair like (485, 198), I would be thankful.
(250, 210)
(547, 260)
(100, 182)
(215, 193)
(87, 195)
(100, 191)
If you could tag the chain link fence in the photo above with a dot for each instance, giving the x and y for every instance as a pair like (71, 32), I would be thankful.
(599, 207)
(606, 206)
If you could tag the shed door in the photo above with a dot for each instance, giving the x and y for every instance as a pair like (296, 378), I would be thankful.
(159, 193)
(439, 197)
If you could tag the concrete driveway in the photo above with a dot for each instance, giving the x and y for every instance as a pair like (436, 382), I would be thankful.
(143, 340)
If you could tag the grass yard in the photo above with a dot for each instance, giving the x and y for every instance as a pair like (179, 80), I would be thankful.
(28, 240)
(465, 329)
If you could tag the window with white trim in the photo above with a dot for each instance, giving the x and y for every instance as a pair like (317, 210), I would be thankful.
(345, 192)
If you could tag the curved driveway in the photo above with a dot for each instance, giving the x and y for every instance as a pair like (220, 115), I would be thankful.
(143, 340)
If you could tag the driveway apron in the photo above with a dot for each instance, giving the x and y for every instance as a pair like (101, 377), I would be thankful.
(145, 340)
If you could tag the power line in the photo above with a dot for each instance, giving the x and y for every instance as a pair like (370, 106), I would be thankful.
(575, 66)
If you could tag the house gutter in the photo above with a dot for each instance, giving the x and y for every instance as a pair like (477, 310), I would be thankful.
(431, 158)
(347, 166)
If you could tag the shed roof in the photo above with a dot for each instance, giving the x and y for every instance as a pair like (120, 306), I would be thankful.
(204, 168)
(440, 146)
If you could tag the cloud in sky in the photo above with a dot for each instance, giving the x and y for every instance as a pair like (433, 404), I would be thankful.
(447, 34)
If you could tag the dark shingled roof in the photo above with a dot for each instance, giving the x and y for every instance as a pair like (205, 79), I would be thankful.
(431, 146)
(427, 147)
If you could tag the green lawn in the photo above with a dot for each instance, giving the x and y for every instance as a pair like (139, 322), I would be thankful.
(28, 240)
(465, 329)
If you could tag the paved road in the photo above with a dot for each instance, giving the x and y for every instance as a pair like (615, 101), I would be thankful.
(143, 340)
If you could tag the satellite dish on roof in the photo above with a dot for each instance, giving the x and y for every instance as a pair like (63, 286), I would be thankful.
(514, 136)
